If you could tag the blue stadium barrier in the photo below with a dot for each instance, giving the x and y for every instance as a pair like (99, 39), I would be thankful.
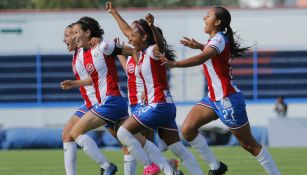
(32, 138)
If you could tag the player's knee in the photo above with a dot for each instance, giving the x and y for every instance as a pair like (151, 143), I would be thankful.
(187, 131)
(121, 133)
(66, 136)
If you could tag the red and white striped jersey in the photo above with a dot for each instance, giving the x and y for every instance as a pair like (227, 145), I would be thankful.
(135, 83)
(218, 69)
(154, 78)
(100, 66)
(87, 92)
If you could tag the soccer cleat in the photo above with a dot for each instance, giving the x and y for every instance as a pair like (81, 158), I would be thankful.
(152, 169)
(222, 170)
(110, 171)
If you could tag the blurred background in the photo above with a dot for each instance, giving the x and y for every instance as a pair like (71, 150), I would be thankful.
(34, 60)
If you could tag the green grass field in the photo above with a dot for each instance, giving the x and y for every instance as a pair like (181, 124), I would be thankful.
(291, 161)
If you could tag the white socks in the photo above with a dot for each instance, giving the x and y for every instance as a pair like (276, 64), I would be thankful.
(91, 149)
(187, 158)
(135, 149)
(267, 162)
(156, 156)
(134, 146)
(129, 165)
(200, 144)
(161, 144)
(70, 157)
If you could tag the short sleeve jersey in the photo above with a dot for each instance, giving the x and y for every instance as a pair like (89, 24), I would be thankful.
(99, 63)
(217, 70)
(154, 78)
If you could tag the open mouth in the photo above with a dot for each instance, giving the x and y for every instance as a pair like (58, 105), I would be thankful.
(205, 25)
(67, 44)
(130, 42)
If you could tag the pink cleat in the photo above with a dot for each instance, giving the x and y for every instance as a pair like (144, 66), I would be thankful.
(152, 169)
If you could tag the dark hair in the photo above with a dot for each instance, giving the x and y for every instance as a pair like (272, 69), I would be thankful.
(70, 25)
(236, 51)
(145, 29)
(88, 23)
(169, 52)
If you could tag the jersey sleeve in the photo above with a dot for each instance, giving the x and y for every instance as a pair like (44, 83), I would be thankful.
(217, 43)
(110, 47)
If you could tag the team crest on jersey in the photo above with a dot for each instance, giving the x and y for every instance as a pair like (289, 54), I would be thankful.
(130, 68)
(90, 68)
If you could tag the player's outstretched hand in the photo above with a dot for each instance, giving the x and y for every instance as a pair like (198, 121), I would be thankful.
(165, 61)
(67, 84)
(109, 6)
(191, 43)
(150, 19)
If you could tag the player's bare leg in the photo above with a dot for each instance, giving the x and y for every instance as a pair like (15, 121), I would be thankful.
(198, 116)
(248, 142)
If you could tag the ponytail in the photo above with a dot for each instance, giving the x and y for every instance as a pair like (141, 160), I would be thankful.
(145, 29)
(235, 47)
(169, 53)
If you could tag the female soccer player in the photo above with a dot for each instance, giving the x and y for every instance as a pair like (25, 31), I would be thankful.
(160, 112)
(88, 94)
(99, 63)
(225, 101)
(136, 98)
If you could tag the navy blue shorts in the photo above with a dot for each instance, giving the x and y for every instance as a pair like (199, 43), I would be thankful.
(113, 110)
(155, 116)
(81, 111)
(133, 108)
(231, 110)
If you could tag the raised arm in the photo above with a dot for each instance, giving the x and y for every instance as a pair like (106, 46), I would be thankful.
(123, 61)
(156, 34)
(124, 27)
(191, 61)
